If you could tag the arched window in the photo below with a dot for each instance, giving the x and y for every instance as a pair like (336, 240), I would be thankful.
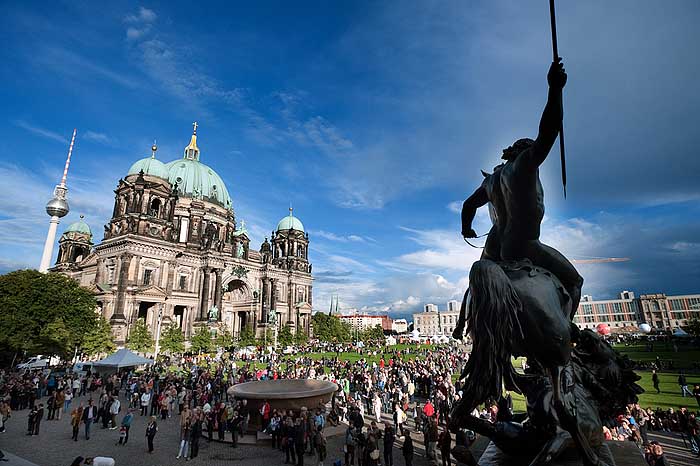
(300, 251)
(154, 210)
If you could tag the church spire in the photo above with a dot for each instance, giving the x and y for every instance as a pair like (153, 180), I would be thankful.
(192, 151)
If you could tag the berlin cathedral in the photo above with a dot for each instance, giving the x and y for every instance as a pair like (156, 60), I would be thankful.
(174, 252)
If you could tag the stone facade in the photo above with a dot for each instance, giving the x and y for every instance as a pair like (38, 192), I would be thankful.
(183, 257)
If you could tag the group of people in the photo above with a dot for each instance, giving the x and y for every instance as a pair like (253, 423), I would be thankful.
(388, 399)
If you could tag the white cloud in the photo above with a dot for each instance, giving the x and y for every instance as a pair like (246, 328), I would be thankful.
(144, 15)
(97, 137)
(339, 238)
(45, 133)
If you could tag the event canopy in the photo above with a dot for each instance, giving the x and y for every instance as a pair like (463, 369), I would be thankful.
(122, 358)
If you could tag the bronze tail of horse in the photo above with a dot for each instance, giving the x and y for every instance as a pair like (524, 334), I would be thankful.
(494, 323)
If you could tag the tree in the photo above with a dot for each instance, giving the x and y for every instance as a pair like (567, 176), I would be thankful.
(693, 327)
(44, 313)
(285, 337)
(202, 341)
(375, 333)
(99, 339)
(330, 328)
(267, 338)
(246, 337)
(140, 338)
(224, 339)
(300, 337)
(173, 340)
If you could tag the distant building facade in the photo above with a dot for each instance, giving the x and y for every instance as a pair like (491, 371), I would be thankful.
(432, 322)
(399, 326)
(362, 322)
(660, 311)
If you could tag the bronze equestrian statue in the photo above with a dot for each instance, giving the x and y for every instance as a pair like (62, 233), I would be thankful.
(521, 300)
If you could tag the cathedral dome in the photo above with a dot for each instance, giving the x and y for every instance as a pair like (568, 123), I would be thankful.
(79, 227)
(150, 166)
(290, 222)
(195, 179)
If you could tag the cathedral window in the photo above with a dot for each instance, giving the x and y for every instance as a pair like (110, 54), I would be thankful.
(154, 210)
(183, 282)
(147, 276)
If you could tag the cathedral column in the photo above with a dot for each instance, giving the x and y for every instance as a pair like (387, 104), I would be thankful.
(217, 291)
(125, 262)
(264, 298)
(204, 295)
(169, 285)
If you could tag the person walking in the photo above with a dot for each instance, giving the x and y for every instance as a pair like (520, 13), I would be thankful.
(445, 445)
(184, 438)
(89, 414)
(683, 384)
(76, 417)
(655, 380)
(195, 433)
(60, 403)
(151, 430)
(38, 418)
(126, 425)
(320, 441)
(407, 448)
(145, 402)
(389, 439)
(114, 409)
(350, 446)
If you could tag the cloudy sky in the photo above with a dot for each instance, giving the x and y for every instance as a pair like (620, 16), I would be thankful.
(371, 118)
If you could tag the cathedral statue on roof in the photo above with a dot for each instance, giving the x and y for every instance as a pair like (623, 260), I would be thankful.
(174, 242)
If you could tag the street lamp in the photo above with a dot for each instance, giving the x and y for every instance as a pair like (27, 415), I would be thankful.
(158, 325)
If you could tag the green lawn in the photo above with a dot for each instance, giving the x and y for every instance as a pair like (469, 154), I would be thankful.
(683, 359)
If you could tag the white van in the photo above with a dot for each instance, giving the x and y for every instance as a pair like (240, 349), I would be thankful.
(36, 362)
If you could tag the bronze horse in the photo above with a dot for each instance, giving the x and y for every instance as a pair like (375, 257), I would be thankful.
(518, 309)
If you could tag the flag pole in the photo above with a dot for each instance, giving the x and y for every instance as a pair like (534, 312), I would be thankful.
(555, 58)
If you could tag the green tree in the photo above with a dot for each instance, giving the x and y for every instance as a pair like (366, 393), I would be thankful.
(44, 313)
(330, 328)
(693, 327)
(268, 337)
(140, 338)
(224, 339)
(285, 337)
(172, 341)
(300, 337)
(99, 339)
(246, 337)
(202, 341)
(375, 333)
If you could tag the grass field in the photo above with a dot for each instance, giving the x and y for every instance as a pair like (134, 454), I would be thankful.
(683, 359)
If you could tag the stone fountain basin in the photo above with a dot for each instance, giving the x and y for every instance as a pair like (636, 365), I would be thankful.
(282, 394)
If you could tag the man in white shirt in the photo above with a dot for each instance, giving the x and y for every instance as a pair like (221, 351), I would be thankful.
(113, 411)
(145, 401)
(100, 461)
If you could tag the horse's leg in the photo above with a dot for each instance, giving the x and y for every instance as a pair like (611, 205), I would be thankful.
(458, 332)
(569, 422)
(551, 449)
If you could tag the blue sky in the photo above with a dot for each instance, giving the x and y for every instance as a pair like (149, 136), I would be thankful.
(373, 119)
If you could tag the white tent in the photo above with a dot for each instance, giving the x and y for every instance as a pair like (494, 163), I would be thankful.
(415, 335)
(122, 358)
(390, 340)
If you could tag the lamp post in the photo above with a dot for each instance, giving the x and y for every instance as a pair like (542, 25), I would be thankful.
(158, 325)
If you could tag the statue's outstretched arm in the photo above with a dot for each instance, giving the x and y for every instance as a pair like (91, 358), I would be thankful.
(476, 200)
(551, 120)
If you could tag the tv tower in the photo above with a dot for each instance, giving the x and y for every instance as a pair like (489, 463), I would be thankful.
(56, 208)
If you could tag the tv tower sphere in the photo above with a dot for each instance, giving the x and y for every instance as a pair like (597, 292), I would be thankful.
(57, 207)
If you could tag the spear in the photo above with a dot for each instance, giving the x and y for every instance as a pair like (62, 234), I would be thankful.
(555, 57)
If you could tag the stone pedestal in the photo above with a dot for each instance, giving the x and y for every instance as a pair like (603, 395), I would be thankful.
(611, 453)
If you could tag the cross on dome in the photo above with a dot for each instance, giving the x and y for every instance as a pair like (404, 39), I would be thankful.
(194, 125)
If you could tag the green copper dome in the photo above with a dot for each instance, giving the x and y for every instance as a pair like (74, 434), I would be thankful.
(290, 222)
(79, 227)
(149, 166)
(197, 180)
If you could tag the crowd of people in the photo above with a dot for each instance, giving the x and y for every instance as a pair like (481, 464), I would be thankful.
(387, 398)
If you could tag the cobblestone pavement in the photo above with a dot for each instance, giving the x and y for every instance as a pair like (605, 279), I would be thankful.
(54, 446)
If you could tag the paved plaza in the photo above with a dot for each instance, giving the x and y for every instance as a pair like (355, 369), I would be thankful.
(54, 446)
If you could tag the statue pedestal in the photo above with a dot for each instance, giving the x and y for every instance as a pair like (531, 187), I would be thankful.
(611, 453)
